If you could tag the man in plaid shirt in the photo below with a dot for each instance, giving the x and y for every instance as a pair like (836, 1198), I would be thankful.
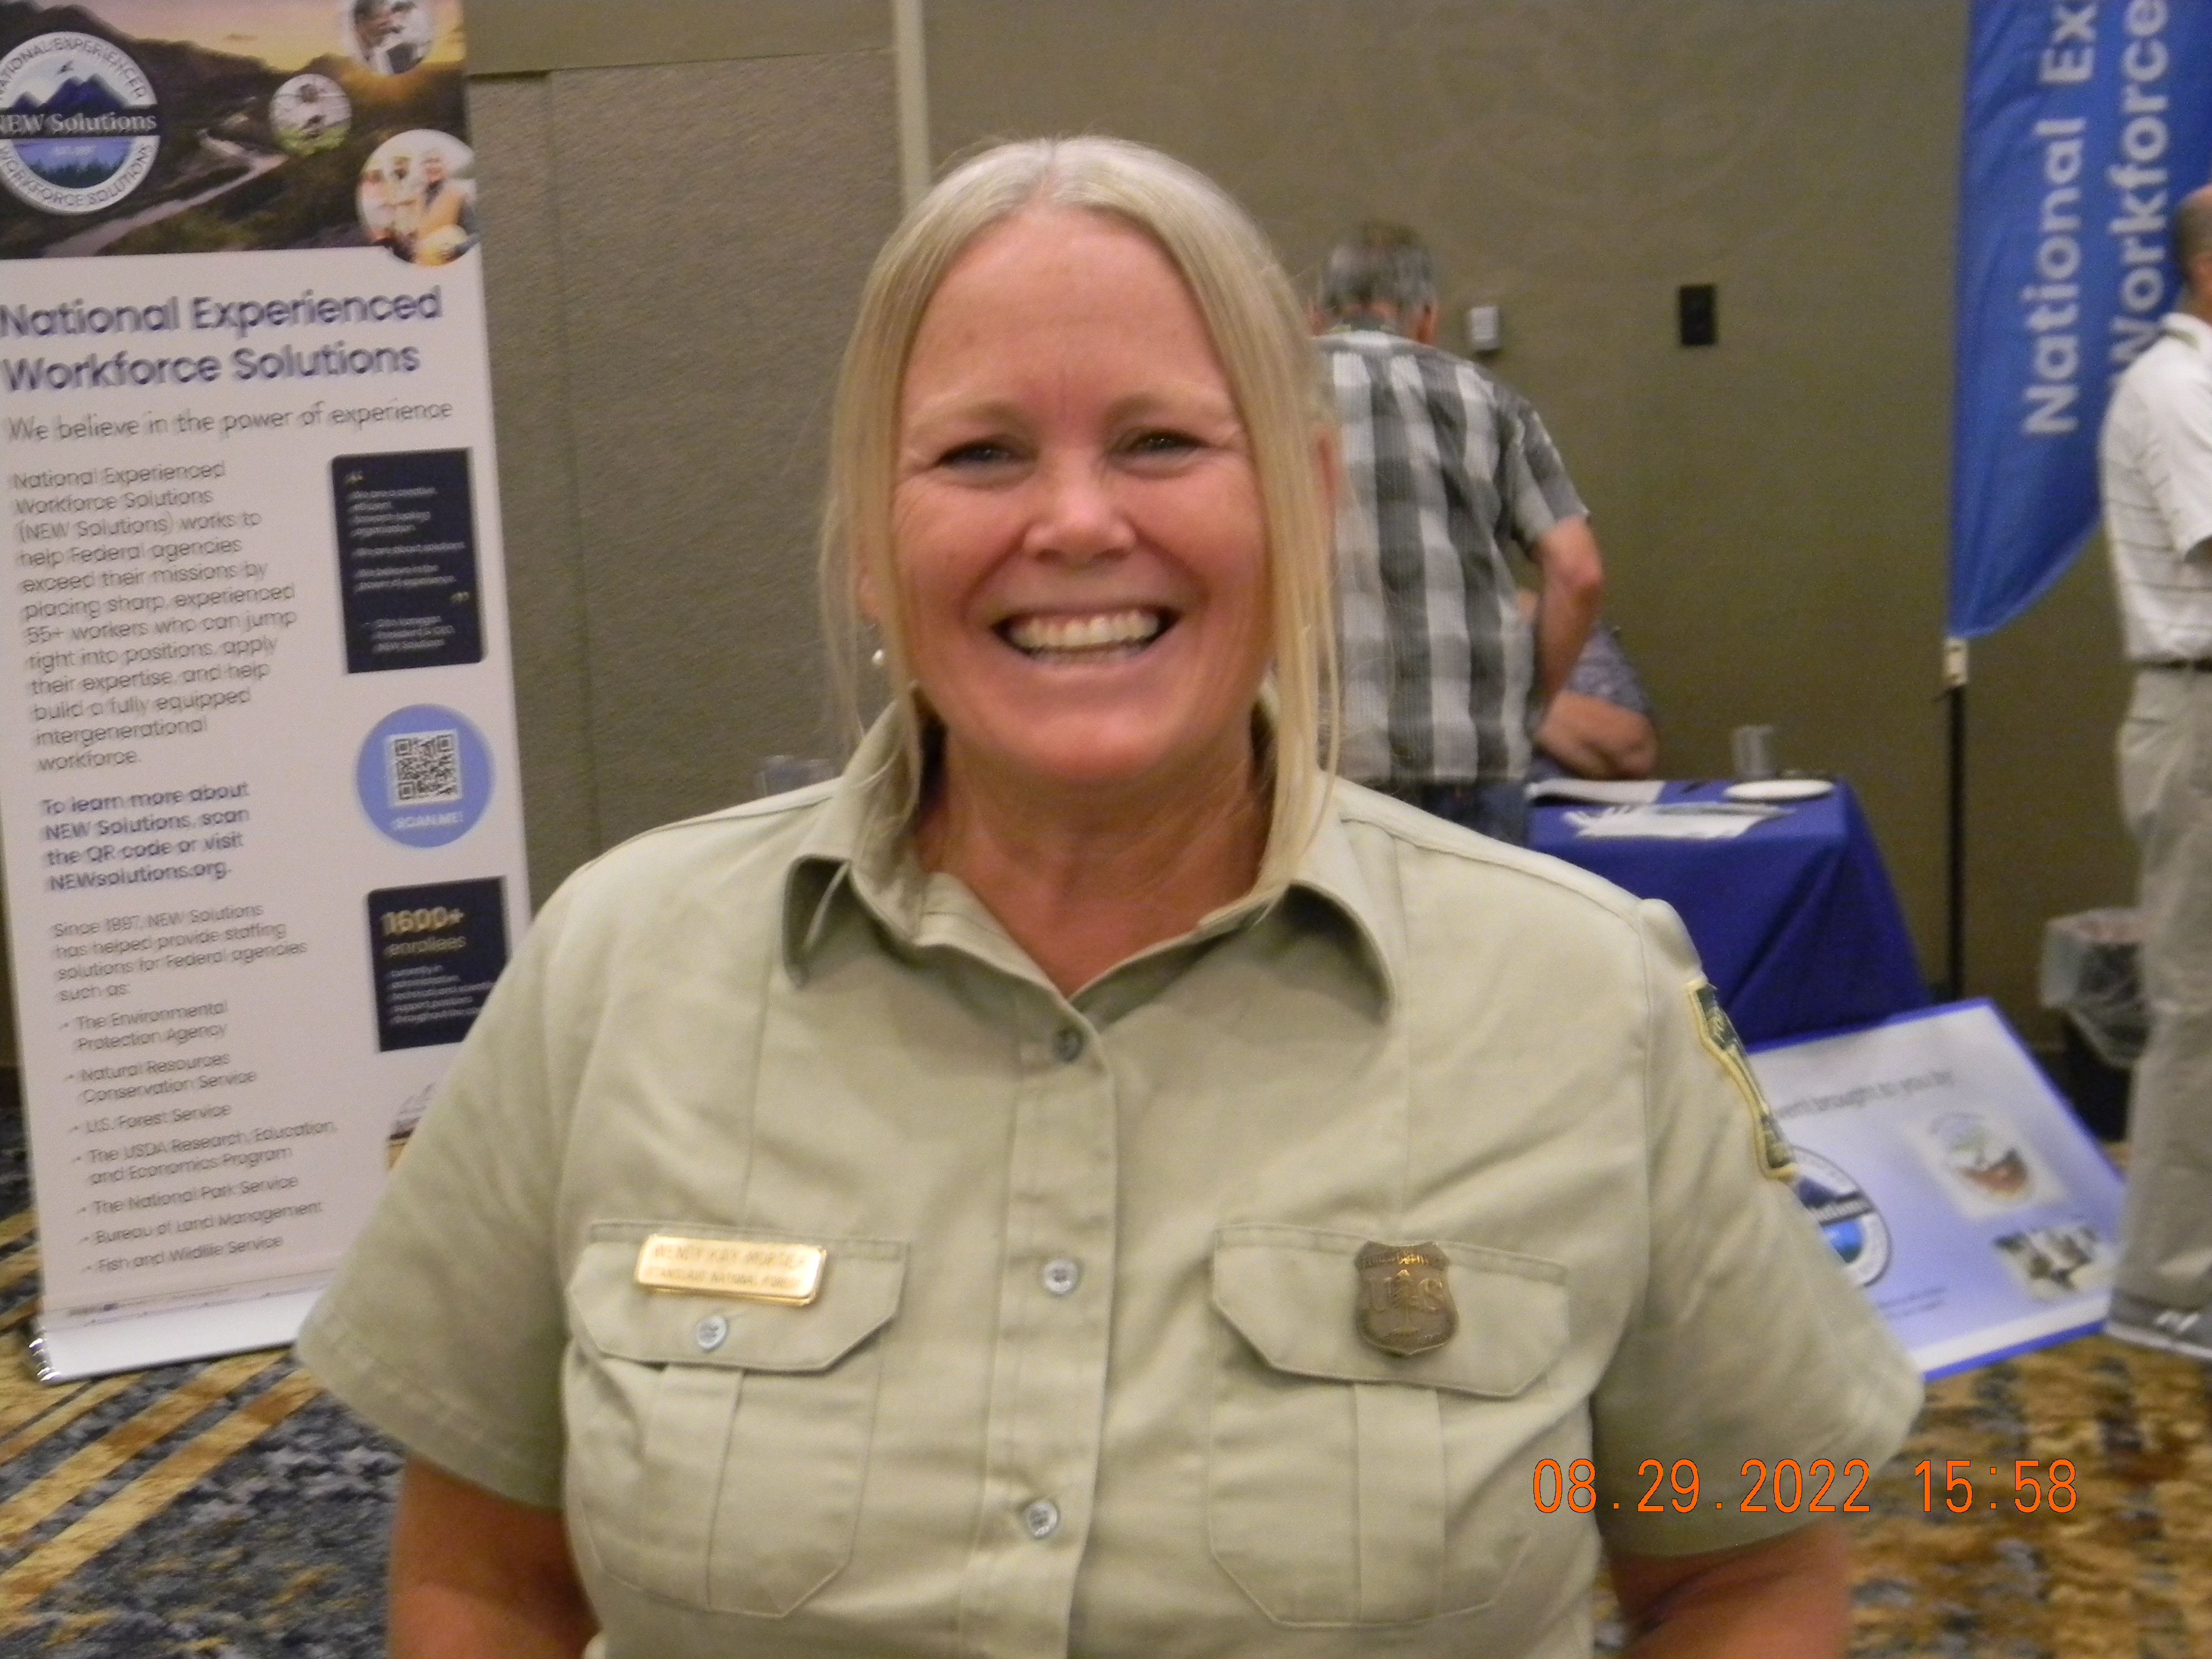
(1446, 469)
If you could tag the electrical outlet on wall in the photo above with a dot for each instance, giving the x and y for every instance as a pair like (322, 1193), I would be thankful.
(1486, 328)
(1697, 314)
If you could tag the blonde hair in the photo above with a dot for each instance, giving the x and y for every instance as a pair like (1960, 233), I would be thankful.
(1259, 331)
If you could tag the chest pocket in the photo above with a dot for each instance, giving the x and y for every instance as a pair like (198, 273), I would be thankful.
(717, 1447)
(1345, 1486)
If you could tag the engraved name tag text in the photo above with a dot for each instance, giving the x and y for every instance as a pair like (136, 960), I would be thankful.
(760, 1272)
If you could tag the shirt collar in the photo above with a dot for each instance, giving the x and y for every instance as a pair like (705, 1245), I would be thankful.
(857, 850)
(1366, 322)
(2193, 331)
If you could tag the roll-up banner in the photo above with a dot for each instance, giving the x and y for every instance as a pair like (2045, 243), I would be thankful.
(257, 780)
(2086, 122)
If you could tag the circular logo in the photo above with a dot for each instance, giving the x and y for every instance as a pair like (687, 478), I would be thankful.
(1845, 1216)
(79, 125)
(310, 112)
(425, 775)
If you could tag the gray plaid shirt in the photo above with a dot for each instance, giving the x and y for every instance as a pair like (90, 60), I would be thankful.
(1446, 469)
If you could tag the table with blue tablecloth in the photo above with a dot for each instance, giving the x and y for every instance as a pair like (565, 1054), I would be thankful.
(1796, 918)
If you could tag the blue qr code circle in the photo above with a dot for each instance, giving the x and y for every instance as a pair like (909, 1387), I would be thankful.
(425, 775)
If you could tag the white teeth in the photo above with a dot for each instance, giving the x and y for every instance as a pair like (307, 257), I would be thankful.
(1109, 630)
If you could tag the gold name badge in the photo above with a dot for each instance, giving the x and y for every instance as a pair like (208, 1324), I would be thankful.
(759, 1272)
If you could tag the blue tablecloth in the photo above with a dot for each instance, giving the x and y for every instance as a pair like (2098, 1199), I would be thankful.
(1795, 918)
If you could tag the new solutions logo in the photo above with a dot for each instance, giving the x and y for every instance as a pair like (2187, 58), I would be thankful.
(79, 124)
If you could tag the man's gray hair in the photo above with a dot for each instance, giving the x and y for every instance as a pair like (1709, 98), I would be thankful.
(1378, 264)
(2191, 230)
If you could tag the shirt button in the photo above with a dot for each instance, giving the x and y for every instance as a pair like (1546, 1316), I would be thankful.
(1062, 1275)
(709, 1332)
(1067, 1045)
(1042, 1518)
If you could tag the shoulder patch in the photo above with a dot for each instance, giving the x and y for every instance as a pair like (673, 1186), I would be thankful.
(1770, 1147)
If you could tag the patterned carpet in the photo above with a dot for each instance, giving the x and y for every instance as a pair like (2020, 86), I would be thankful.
(2127, 1572)
(231, 1509)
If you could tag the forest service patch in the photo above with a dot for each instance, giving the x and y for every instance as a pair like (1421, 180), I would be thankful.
(1769, 1147)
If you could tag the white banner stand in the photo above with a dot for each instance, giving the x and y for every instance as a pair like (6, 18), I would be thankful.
(258, 788)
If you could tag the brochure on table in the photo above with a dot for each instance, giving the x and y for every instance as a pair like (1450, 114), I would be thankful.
(1953, 1182)
(258, 791)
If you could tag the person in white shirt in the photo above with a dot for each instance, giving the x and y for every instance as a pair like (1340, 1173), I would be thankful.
(2156, 464)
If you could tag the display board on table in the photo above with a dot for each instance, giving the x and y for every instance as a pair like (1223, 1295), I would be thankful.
(258, 788)
(1953, 1183)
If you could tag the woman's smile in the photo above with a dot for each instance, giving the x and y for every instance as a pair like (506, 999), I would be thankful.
(1094, 637)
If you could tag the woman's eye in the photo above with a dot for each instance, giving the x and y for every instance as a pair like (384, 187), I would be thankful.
(984, 452)
(1162, 443)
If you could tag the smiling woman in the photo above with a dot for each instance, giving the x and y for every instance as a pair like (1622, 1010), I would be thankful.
(1200, 386)
(1086, 1181)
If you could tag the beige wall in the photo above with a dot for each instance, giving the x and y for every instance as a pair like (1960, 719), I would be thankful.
(673, 250)
(1773, 509)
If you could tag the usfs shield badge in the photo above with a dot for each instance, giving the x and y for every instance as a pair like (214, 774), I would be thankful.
(1405, 1298)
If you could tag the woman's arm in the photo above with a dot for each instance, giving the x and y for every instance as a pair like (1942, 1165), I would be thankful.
(474, 1574)
(1787, 1598)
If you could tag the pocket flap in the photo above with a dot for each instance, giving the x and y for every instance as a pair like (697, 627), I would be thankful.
(861, 1280)
(1293, 1293)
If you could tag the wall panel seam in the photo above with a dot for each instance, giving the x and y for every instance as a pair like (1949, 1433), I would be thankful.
(582, 570)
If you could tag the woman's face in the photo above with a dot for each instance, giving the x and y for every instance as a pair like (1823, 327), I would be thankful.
(1076, 522)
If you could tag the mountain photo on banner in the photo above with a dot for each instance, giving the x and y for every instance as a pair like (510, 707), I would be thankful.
(262, 137)
(2084, 125)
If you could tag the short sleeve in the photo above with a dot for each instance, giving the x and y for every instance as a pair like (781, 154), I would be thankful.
(2177, 428)
(1749, 1340)
(445, 1327)
(1532, 480)
(1603, 670)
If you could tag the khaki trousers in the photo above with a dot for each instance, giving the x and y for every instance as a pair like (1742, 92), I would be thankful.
(2165, 792)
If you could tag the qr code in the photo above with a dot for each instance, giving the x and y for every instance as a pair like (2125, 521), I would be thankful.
(423, 766)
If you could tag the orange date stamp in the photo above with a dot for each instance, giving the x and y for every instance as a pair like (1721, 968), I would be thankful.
(1820, 1488)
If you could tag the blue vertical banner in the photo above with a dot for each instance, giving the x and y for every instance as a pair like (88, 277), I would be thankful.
(2087, 121)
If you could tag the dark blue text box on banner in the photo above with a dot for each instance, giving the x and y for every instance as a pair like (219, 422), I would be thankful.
(2086, 122)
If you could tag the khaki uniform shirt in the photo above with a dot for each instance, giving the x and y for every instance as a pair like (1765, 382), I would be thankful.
(1084, 1374)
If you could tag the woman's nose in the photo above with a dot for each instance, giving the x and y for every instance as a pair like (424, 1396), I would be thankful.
(1078, 517)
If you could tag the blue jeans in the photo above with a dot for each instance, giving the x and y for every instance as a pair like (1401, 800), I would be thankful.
(1499, 810)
